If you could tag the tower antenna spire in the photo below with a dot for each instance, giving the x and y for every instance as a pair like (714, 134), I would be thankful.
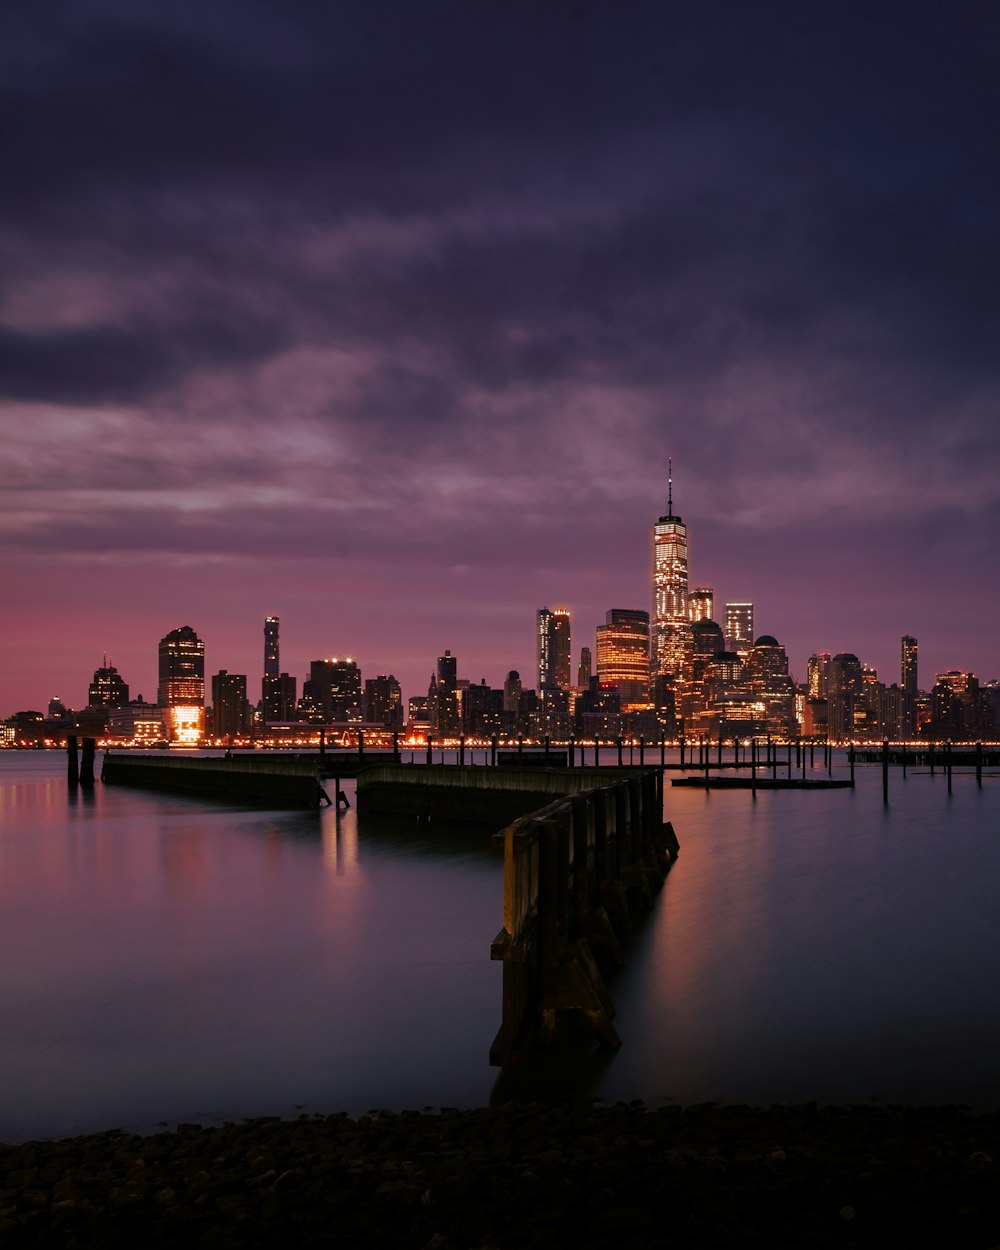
(670, 486)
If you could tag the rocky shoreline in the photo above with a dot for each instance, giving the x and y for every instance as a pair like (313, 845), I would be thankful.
(522, 1175)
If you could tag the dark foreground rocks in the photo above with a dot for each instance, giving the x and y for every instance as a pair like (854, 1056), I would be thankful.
(545, 1175)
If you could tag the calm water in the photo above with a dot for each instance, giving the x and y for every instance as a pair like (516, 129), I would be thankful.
(167, 959)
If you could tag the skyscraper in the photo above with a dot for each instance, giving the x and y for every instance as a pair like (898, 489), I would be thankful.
(277, 689)
(272, 665)
(554, 650)
(739, 628)
(446, 717)
(230, 710)
(623, 655)
(908, 684)
(384, 701)
(670, 634)
(108, 689)
(332, 691)
(182, 684)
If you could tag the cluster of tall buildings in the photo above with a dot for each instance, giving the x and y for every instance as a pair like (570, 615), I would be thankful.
(675, 671)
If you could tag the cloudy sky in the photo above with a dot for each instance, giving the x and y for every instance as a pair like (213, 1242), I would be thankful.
(386, 316)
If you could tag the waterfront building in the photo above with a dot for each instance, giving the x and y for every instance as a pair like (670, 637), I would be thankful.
(181, 686)
(845, 691)
(554, 648)
(694, 698)
(598, 711)
(815, 718)
(230, 709)
(108, 689)
(278, 698)
(623, 655)
(140, 723)
(956, 707)
(701, 604)
(670, 636)
(553, 713)
(768, 678)
(384, 701)
(332, 692)
(739, 628)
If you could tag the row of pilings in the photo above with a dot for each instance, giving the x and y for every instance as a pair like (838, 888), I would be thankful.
(579, 875)
(80, 763)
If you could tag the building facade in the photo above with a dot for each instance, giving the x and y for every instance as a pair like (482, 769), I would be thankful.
(181, 687)
(739, 628)
(554, 649)
(623, 655)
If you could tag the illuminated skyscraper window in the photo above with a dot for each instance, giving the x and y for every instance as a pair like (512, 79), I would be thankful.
(739, 628)
(701, 604)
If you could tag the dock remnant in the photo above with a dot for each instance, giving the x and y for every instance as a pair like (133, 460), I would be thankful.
(578, 874)
(274, 782)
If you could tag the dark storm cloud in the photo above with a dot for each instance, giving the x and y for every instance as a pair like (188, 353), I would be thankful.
(358, 279)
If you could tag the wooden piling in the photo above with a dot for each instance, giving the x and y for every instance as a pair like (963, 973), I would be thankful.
(87, 763)
(72, 762)
(979, 765)
(430, 744)
(947, 761)
(885, 771)
(461, 749)
(574, 871)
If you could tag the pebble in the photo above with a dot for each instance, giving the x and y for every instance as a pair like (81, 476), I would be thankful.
(572, 1175)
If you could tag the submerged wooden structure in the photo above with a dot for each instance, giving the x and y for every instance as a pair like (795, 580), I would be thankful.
(267, 782)
(579, 873)
(581, 869)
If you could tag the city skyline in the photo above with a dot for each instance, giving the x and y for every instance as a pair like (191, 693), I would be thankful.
(284, 332)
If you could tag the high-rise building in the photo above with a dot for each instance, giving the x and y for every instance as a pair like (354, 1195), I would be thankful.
(739, 628)
(908, 664)
(277, 689)
(384, 701)
(701, 604)
(623, 655)
(107, 689)
(554, 649)
(446, 714)
(272, 664)
(767, 674)
(670, 639)
(333, 691)
(181, 686)
(818, 674)
(845, 693)
(585, 671)
(230, 709)
(908, 686)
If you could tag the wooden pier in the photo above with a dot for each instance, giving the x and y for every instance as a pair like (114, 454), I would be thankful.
(273, 781)
(579, 873)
